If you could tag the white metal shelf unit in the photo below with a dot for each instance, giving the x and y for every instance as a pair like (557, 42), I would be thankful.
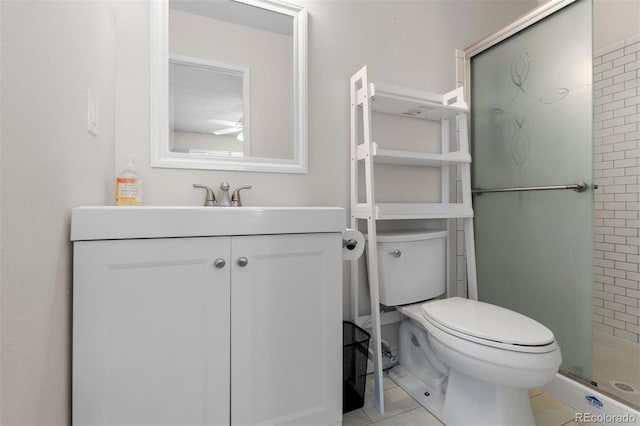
(367, 98)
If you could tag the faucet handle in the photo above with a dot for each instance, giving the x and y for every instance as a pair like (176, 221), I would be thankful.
(236, 201)
(210, 198)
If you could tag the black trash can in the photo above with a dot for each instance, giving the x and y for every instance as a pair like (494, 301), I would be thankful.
(355, 352)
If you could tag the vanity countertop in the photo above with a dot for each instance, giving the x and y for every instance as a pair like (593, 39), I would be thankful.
(118, 222)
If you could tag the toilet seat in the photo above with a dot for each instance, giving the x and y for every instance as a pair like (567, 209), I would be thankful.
(489, 325)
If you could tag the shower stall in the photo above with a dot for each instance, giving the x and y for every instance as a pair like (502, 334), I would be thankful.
(555, 136)
(616, 292)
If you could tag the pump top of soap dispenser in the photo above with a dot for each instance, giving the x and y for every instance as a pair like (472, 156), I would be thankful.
(130, 170)
(131, 162)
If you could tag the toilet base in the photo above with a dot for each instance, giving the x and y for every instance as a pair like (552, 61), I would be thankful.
(433, 402)
(469, 401)
(473, 402)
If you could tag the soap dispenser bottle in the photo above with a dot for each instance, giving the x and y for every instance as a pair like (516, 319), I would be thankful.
(129, 185)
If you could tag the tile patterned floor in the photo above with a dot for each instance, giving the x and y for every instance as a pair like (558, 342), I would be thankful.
(402, 410)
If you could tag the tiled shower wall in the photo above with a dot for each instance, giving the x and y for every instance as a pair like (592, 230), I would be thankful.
(616, 100)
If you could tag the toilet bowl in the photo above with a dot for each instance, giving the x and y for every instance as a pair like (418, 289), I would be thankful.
(468, 362)
(489, 374)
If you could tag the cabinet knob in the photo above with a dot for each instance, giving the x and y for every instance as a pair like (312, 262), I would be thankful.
(243, 261)
(219, 263)
(396, 253)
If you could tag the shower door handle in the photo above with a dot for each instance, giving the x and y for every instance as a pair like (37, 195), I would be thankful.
(578, 187)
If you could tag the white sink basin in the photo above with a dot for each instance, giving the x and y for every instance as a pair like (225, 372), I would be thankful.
(111, 222)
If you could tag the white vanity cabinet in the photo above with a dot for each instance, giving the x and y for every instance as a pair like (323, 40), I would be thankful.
(207, 330)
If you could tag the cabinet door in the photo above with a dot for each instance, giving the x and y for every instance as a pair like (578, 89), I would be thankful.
(151, 332)
(286, 328)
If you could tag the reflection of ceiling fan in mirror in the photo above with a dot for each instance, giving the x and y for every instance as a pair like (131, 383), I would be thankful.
(228, 128)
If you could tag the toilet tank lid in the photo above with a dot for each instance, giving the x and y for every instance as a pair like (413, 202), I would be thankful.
(406, 236)
(486, 321)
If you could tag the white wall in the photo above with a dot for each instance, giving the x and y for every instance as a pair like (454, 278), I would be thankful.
(614, 20)
(51, 53)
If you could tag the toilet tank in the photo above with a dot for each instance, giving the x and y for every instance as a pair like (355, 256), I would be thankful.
(411, 266)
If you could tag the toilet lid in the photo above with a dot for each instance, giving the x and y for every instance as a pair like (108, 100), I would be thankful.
(488, 322)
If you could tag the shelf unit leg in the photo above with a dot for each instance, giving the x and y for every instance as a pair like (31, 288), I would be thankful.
(372, 259)
(469, 240)
(355, 294)
(470, 251)
(355, 302)
(360, 79)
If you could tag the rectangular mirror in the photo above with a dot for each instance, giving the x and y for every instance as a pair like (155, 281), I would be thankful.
(228, 85)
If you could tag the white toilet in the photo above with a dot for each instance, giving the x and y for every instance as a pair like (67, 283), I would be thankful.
(468, 362)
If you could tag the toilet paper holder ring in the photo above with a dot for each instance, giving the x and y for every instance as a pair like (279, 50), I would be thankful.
(352, 244)
(349, 244)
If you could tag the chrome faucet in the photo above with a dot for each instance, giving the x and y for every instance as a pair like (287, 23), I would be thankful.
(223, 195)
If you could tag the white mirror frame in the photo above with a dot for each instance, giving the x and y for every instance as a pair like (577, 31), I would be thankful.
(162, 156)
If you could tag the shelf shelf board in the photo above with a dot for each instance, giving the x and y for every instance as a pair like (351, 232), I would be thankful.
(411, 158)
(411, 103)
(414, 211)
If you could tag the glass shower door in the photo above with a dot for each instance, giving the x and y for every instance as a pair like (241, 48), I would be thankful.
(531, 125)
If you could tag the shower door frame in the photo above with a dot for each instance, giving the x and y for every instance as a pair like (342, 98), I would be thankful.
(515, 27)
(570, 389)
